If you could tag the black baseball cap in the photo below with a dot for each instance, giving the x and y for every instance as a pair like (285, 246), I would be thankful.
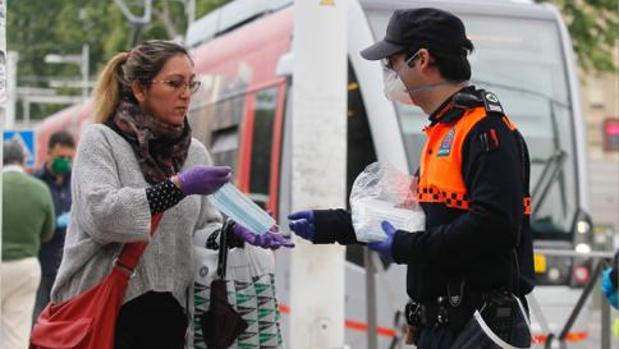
(422, 27)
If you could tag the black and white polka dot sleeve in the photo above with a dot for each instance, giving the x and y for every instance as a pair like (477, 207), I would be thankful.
(163, 195)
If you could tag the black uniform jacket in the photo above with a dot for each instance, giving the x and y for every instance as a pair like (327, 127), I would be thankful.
(474, 191)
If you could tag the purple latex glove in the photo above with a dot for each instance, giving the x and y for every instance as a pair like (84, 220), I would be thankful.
(203, 180)
(271, 239)
(385, 247)
(302, 223)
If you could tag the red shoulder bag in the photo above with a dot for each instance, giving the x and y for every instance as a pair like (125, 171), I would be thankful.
(88, 320)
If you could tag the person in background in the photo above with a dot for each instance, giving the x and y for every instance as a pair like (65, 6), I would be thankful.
(27, 220)
(56, 173)
(136, 160)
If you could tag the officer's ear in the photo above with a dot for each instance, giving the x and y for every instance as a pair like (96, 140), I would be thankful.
(424, 60)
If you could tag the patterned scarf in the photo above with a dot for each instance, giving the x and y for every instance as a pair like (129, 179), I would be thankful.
(161, 148)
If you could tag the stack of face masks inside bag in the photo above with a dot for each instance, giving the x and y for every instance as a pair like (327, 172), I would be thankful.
(382, 193)
(368, 215)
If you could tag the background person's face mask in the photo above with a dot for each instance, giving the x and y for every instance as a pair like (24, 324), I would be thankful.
(61, 166)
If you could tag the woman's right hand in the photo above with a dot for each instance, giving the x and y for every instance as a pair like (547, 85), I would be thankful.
(270, 240)
(203, 180)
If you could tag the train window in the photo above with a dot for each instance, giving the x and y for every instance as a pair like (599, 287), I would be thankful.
(262, 142)
(224, 146)
(360, 149)
(199, 122)
(216, 125)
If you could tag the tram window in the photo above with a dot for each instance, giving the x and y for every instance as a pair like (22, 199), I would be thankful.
(229, 112)
(224, 146)
(222, 121)
(262, 143)
(207, 119)
(360, 150)
(199, 121)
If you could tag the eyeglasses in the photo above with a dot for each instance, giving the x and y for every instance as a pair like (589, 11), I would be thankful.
(177, 84)
(388, 62)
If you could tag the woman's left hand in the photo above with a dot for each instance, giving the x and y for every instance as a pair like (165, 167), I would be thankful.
(271, 239)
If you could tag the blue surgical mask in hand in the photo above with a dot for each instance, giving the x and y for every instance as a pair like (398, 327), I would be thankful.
(229, 200)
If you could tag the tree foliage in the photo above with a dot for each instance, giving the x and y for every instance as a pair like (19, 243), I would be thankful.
(594, 28)
(38, 28)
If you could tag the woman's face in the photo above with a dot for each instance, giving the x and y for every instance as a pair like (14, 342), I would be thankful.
(169, 94)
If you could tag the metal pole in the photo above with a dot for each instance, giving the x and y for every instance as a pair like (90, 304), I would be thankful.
(85, 68)
(26, 104)
(572, 253)
(135, 34)
(605, 324)
(370, 299)
(11, 88)
(2, 116)
(85, 62)
(317, 273)
(190, 9)
(145, 19)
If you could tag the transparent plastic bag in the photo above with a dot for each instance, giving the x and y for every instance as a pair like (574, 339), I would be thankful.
(383, 193)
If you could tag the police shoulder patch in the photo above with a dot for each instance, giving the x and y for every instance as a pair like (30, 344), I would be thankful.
(446, 143)
(491, 102)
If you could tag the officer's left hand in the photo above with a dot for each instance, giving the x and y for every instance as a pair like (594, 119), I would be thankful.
(303, 224)
(384, 247)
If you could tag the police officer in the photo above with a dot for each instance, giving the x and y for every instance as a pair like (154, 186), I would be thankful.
(473, 263)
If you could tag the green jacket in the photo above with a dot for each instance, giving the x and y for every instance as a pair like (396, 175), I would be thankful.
(27, 215)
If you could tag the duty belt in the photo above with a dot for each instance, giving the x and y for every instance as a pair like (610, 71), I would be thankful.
(441, 312)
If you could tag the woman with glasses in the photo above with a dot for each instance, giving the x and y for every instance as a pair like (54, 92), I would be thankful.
(138, 159)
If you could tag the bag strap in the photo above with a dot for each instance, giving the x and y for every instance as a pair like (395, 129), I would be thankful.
(222, 258)
(132, 252)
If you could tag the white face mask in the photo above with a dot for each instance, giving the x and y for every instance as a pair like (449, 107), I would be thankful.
(396, 91)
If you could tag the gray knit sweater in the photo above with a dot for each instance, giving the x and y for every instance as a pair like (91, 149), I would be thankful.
(110, 208)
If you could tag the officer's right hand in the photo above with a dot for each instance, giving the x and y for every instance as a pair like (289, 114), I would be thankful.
(302, 223)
